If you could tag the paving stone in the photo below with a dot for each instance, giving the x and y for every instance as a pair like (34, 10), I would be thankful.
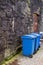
(36, 60)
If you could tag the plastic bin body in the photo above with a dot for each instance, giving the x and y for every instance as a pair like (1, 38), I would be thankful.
(28, 43)
(36, 43)
(37, 40)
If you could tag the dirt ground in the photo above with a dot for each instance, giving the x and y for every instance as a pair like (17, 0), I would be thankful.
(36, 60)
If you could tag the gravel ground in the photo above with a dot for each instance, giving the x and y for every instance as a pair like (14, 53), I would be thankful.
(36, 60)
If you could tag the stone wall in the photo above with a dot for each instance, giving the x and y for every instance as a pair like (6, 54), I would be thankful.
(14, 22)
(41, 26)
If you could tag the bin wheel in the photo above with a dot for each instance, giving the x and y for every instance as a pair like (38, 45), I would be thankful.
(31, 56)
(37, 49)
(35, 52)
(39, 46)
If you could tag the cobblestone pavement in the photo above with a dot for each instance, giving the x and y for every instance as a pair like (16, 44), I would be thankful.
(36, 60)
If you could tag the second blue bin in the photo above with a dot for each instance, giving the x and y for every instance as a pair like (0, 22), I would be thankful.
(37, 42)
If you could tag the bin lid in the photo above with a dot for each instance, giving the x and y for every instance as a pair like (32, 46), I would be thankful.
(36, 34)
(29, 36)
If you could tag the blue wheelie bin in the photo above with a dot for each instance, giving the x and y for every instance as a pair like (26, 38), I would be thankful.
(28, 43)
(37, 40)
